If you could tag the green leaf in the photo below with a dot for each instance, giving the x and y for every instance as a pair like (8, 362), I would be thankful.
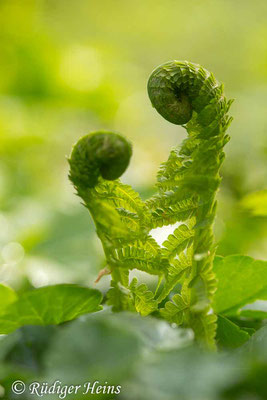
(181, 264)
(256, 203)
(129, 218)
(143, 298)
(120, 195)
(230, 335)
(174, 309)
(250, 331)
(49, 305)
(171, 281)
(7, 297)
(254, 314)
(167, 209)
(177, 241)
(241, 280)
(138, 255)
(176, 271)
(108, 219)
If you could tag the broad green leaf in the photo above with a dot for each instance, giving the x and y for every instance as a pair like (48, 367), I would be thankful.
(254, 314)
(241, 280)
(49, 305)
(256, 203)
(230, 335)
(7, 296)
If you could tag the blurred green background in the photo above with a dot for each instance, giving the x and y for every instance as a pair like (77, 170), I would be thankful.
(70, 67)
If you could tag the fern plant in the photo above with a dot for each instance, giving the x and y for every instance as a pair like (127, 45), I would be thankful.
(184, 94)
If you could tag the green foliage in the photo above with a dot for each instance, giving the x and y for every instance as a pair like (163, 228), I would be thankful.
(187, 183)
(7, 297)
(102, 338)
(254, 314)
(145, 356)
(178, 241)
(120, 298)
(184, 94)
(143, 298)
(174, 309)
(137, 255)
(230, 335)
(67, 67)
(49, 305)
(198, 297)
(241, 281)
(168, 208)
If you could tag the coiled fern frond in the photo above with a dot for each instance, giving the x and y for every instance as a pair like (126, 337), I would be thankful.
(184, 94)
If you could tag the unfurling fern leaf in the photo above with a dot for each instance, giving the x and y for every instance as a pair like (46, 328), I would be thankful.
(184, 94)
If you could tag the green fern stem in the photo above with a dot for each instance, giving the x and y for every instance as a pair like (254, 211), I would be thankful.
(187, 94)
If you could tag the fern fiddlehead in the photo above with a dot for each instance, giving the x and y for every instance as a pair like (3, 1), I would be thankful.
(101, 153)
(184, 94)
(97, 159)
(120, 216)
